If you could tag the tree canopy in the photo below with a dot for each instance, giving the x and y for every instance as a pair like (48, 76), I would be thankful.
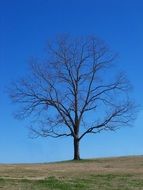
(72, 91)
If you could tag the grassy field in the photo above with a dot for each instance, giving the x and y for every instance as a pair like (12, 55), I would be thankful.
(124, 173)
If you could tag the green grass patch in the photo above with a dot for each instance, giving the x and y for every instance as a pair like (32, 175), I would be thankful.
(90, 182)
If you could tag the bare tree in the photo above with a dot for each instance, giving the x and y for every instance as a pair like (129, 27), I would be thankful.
(72, 92)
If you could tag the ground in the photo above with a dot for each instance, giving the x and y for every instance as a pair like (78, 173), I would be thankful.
(123, 173)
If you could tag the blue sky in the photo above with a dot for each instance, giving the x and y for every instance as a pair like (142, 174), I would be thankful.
(25, 27)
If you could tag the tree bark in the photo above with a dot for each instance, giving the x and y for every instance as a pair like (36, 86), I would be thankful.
(76, 149)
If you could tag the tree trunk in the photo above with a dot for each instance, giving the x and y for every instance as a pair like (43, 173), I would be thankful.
(76, 149)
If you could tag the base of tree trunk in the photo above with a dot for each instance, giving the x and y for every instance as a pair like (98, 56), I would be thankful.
(77, 158)
(76, 150)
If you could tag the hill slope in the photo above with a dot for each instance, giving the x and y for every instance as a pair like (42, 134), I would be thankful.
(123, 173)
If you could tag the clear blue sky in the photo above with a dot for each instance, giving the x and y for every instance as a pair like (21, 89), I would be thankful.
(25, 26)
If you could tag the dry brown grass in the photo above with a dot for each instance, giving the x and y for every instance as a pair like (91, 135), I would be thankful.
(124, 173)
(121, 165)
